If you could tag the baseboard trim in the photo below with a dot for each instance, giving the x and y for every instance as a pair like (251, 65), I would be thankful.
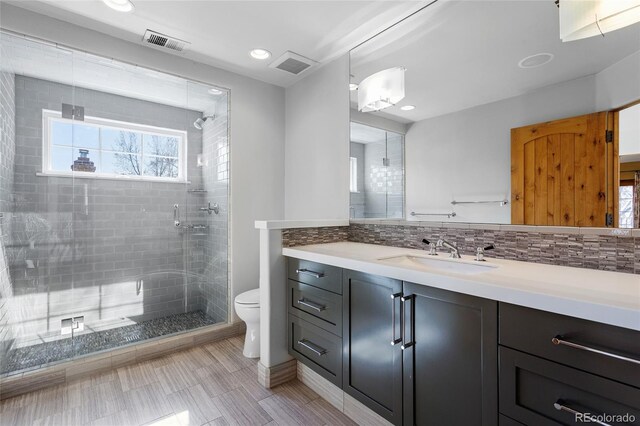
(335, 396)
(88, 365)
(270, 377)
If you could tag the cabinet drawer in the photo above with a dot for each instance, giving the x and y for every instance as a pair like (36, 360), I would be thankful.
(535, 391)
(317, 306)
(532, 331)
(316, 274)
(316, 348)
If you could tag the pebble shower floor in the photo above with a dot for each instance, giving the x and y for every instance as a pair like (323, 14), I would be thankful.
(38, 355)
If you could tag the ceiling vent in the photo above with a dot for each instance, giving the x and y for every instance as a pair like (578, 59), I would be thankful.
(163, 41)
(292, 63)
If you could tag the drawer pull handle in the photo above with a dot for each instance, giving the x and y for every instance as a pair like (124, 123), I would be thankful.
(559, 341)
(559, 405)
(318, 350)
(312, 305)
(395, 341)
(309, 272)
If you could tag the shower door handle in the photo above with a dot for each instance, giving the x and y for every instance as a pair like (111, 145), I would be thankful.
(176, 215)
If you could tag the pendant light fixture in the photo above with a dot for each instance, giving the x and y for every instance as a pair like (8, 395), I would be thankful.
(381, 90)
(587, 18)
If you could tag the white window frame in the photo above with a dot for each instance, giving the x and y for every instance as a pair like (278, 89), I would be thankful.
(353, 174)
(49, 117)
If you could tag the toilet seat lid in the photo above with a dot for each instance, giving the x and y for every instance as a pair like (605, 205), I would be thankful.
(251, 297)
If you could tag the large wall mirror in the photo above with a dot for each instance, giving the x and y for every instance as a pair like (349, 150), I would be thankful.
(477, 111)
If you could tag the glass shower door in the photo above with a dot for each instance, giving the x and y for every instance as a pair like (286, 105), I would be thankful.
(37, 206)
(113, 204)
(130, 173)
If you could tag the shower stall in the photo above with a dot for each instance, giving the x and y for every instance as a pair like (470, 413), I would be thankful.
(114, 204)
(376, 163)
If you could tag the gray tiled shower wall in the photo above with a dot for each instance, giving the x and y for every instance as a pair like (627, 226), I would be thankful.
(380, 187)
(7, 159)
(105, 249)
(610, 253)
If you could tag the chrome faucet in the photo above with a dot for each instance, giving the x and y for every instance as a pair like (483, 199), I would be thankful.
(480, 252)
(432, 247)
(455, 253)
(215, 208)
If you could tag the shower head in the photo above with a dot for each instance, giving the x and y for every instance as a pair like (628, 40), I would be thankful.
(200, 121)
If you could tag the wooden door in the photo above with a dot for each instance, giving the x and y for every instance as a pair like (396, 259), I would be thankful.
(564, 172)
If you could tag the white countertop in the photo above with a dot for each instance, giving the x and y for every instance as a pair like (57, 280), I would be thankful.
(607, 297)
(290, 224)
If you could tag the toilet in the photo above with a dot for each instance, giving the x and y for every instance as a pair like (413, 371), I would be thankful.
(248, 309)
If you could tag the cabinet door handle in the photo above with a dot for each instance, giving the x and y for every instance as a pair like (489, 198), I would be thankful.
(412, 298)
(318, 350)
(309, 304)
(394, 340)
(559, 405)
(559, 341)
(310, 272)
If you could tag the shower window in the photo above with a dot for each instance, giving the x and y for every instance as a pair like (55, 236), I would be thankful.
(98, 147)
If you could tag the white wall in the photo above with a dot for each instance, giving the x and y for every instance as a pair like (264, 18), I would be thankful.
(375, 120)
(257, 129)
(466, 155)
(630, 130)
(317, 144)
(618, 84)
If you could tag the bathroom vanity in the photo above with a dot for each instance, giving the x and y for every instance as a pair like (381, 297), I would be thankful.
(453, 341)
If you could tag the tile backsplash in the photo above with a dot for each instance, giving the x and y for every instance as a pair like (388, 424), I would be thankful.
(565, 247)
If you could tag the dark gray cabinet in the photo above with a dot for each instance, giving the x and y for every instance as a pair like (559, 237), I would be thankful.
(600, 349)
(555, 368)
(449, 358)
(419, 355)
(314, 304)
(317, 348)
(372, 366)
(535, 391)
(414, 354)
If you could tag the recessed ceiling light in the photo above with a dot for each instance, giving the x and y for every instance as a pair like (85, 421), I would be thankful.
(536, 60)
(353, 87)
(260, 54)
(408, 107)
(214, 91)
(120, 5)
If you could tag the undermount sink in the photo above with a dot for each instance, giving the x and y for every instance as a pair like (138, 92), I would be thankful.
(433, 263)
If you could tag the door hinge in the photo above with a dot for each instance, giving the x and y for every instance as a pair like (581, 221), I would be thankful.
(73, 112)
(608, 135)
(608, 219)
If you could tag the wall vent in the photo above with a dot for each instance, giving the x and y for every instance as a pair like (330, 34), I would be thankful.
(163, 41)
(292, 63)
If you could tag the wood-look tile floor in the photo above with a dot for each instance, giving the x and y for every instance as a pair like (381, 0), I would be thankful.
(208, 385)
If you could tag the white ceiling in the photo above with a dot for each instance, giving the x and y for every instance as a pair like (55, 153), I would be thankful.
(461, 54)
(223, 32)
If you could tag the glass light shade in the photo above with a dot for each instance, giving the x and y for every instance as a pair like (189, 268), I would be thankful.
(381, 90)
(120, 5)
(587, 18)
